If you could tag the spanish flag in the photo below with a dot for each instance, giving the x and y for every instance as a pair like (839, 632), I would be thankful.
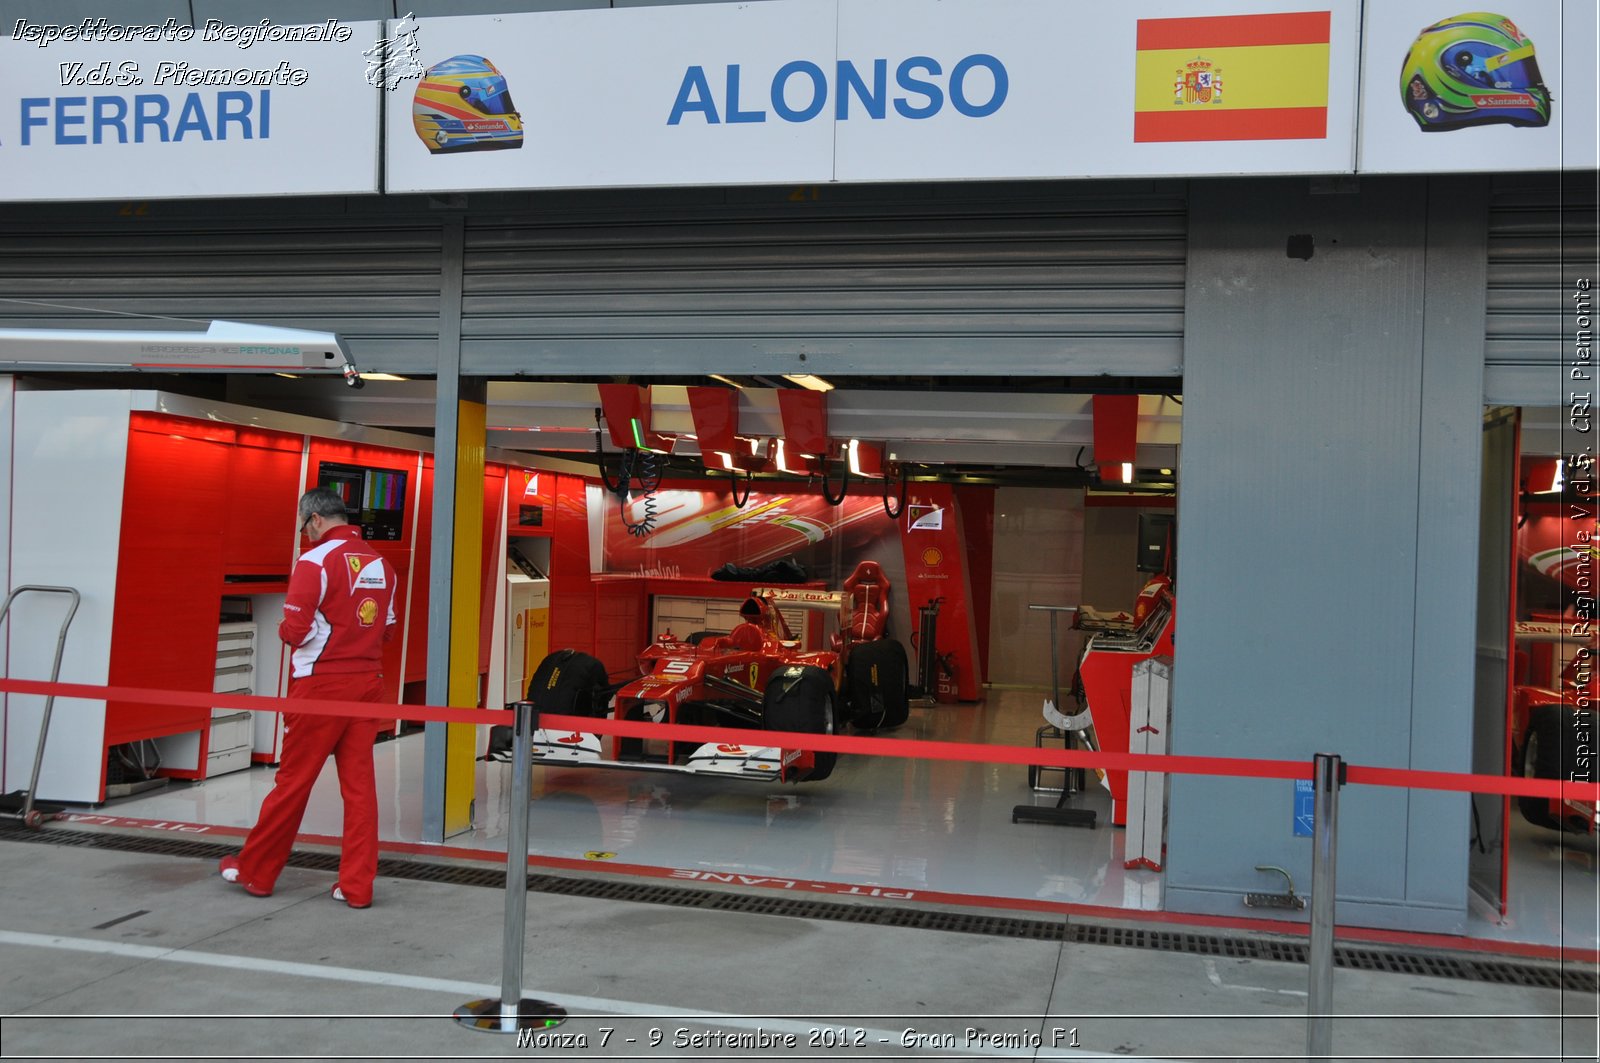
(1232, 77)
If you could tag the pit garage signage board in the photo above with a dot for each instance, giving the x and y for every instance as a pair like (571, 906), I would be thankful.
(808, 91)
(102, 108)
(1491, 91)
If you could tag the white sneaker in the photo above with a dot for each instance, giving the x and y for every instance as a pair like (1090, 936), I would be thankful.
(338, 895)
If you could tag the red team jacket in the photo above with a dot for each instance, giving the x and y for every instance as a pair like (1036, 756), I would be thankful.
(340, 607)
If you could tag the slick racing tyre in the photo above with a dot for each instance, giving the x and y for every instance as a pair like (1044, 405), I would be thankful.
(875, 684)
(801, 698)
(1548, 753)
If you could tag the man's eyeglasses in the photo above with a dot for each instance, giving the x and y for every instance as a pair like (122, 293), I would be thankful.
(305, 525)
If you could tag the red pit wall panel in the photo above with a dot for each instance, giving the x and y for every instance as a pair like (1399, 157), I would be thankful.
(494, 490)
(169, 572)
(535, 490)
(976, 505)
(1108, 684)
(263, 489)
(571, 592)
(936, 568)
(416, 620)
(621, 625)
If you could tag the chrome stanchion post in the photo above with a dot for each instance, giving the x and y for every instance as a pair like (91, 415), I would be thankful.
(512, 1012)
(1327, 777)
(1055, 667)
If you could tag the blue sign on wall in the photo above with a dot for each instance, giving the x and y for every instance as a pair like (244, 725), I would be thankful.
(1304, 808)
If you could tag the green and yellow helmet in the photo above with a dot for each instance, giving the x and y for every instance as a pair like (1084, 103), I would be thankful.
(1473, 69)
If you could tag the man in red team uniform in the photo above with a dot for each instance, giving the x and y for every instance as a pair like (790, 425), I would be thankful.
(336, 618)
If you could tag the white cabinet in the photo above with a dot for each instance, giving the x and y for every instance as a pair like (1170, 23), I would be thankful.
(231, 729)
(684, 616)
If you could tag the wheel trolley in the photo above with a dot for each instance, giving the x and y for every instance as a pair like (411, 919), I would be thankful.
(1058, 727)
(19, 804)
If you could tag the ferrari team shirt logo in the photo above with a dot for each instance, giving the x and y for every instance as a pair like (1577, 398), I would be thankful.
(365, 572)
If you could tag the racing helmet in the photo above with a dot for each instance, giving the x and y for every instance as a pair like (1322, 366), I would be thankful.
(464, 102)
(1473, 69)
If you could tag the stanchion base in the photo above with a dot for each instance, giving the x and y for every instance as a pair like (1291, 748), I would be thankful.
(531, 1015)
(1061, 817)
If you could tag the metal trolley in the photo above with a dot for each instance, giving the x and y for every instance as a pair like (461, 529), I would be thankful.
(19, 805)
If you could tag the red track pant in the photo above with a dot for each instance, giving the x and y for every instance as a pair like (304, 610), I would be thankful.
(307, 742)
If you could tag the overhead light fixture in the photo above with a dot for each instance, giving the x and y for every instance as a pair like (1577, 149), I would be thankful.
(1127, 472)
(806, 380)
(865, 460)
(780, 455)
(381, 376)
(725, 380)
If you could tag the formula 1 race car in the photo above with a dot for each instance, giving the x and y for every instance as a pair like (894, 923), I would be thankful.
(1554, 731)
(755, 677)
(1553, 716)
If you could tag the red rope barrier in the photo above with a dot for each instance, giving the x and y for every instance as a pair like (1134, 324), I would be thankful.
(916, 749)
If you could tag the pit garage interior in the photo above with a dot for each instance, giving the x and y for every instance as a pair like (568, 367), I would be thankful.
(1322, 483)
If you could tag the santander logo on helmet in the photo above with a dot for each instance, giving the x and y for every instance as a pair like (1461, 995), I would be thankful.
(1473, 69)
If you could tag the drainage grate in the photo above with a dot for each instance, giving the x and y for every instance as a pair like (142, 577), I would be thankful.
(1574, 978)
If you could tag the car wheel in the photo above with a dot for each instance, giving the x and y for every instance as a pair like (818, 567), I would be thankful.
(801, 698)
(1541, 759)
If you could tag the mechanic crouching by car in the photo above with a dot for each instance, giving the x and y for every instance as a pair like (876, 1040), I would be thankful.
(338, 614)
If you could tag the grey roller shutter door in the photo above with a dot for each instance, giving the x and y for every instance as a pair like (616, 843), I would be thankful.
(1034, 281)
(1058, 279)
(1542, 243)
(372, 278)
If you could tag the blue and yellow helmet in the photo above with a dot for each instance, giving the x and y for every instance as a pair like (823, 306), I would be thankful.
(464, 104)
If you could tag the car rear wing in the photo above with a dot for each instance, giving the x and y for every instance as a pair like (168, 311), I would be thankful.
(803, 598)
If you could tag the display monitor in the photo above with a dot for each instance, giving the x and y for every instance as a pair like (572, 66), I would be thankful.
(375, 499)
(1157, 537)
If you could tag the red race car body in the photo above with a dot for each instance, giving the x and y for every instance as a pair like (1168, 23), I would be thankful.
(755, 677)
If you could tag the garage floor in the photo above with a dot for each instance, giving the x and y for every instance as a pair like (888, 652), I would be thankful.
(918, 832)
(924, 924)
(133, 955)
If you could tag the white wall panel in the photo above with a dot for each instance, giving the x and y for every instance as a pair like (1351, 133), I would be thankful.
(69, 462)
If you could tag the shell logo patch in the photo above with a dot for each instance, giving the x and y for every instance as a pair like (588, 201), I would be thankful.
(932, 557)
(367, 612)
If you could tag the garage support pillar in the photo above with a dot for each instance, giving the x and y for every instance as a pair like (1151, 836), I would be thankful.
(458, 463)
(1327, 563)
